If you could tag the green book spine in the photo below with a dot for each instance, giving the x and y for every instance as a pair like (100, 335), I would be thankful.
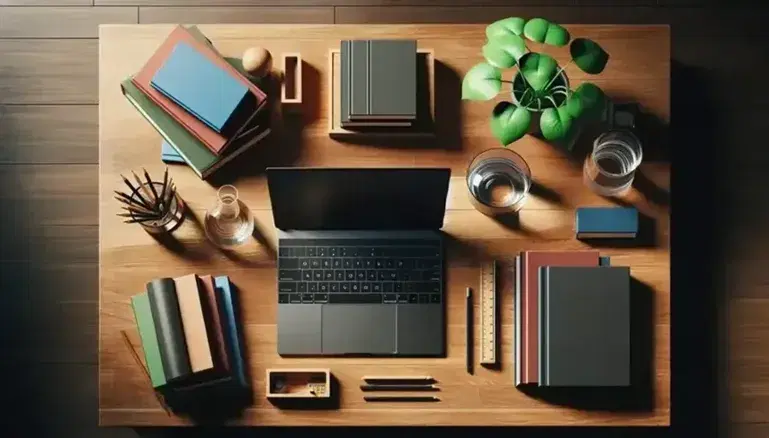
(195, 153)
(143, 315)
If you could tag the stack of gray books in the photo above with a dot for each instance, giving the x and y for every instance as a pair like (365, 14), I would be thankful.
(379, 83)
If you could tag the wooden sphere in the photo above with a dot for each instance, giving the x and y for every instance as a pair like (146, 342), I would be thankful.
(257, 61)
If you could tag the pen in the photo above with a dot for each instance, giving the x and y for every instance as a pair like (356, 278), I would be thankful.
(379, 398)
(399, 380)
(401, 387)
(469, 334)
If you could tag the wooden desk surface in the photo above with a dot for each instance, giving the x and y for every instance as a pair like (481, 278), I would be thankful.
(639, 69)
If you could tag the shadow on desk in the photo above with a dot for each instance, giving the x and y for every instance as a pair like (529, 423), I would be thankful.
(639, 396)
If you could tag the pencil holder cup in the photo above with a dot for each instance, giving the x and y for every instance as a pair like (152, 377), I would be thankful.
(169, 213)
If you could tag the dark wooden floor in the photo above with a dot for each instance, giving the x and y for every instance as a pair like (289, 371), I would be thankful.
(48, 186)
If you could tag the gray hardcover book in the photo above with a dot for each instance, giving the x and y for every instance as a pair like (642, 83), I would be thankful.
(584, 326)
(359, 81)
(345, 71)
(392, 78)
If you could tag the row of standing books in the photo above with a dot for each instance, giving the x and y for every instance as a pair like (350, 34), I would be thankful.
(202, 104)
(189, 332)
(572, 320)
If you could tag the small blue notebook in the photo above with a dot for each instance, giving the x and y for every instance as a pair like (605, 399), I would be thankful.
(199, 86)
(228, 310)
(169, 155)
(606, 222)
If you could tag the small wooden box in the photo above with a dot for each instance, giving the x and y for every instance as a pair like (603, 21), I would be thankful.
(298, 383)
(291, 88)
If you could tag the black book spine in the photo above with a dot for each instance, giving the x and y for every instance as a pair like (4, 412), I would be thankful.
(168, 324)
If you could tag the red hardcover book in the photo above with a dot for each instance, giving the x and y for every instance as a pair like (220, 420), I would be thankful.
(212, 139)
(531, 261)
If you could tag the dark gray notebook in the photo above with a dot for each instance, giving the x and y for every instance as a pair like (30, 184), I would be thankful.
(383, 79)
(584, 333)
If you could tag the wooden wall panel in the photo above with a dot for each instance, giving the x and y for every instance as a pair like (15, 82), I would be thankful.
(61, 22)
(201, 15)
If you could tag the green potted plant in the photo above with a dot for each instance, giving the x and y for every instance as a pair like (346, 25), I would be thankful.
(541, 96)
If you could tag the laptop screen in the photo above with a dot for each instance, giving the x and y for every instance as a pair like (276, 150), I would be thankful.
(358, 199)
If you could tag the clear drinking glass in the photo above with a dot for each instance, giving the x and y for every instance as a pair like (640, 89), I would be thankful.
(610, 168)
(230, 222)
(498, 181)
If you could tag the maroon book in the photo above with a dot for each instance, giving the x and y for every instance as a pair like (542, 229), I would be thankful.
(531, 261)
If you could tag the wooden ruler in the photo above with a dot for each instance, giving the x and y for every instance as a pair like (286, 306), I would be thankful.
(488, 303)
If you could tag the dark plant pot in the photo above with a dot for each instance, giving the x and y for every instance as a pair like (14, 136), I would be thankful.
(562, 79)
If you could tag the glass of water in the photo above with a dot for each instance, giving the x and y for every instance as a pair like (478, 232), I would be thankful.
(610, 168)
(498, 181)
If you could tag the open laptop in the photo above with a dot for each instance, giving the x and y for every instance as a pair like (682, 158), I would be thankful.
(360, 260)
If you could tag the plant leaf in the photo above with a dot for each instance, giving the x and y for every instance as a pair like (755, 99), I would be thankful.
(538, 69)
(509, 122)
(588, 55)
(482, 82)
(542, 31)
(555, 122)
(574, 105)
(505, 26)
(592, 100)
(504, 51)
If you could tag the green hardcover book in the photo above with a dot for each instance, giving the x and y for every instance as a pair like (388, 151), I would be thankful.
(143, 315)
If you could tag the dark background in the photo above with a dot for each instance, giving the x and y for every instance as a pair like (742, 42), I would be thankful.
(48, 196)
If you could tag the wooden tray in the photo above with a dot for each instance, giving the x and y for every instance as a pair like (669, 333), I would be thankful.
(425, 123)
(298, 383)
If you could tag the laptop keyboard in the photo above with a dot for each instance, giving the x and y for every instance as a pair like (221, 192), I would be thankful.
(360, 271)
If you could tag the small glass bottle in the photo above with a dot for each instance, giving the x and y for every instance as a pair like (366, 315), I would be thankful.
(230, 222)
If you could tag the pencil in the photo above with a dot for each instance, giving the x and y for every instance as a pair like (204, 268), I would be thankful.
(400, 398)
(469, 328)
(152, 186)
(163, 189)
(144, 189)
(398, 388)
(398, 380)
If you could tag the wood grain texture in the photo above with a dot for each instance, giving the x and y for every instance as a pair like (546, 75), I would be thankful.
(202, 15)
(128, 257)
(48, 244)
(49, 134)
(748, 363)
(53, 71)
(60, 22)
(382, 3)
(46, 2)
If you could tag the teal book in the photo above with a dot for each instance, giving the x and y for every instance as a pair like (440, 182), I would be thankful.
(606, 222)
(229, 310)
(143, 315)
(202, 88)
(169, 155)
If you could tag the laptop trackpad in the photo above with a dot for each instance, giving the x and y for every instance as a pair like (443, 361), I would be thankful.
(358, 329)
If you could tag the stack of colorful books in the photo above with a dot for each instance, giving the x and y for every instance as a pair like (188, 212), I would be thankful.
(205, 108)
(189, 332)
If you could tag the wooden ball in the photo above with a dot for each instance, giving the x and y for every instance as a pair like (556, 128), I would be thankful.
(257, 61)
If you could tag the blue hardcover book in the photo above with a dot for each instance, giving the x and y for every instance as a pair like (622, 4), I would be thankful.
(229, 312)
(606, 222)
(169, 155)
(202, 88)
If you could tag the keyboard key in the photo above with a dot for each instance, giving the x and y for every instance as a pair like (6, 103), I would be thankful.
(354, 252)
(368, 263)
(349, 275)
(321, 298)
(405, 276)
(297, 251)
(304, 263)
(357, 264)
(339, 275)
(283, 298)
(431, 275)
(295, 298)
(376, 287)
(355, 299)
(432, 263)
(435, 298)
(392, 275)
(379, 263)
(312, 287)
(382, 276)
(369, 251)
(424, 299)
(390, 264)
(344, 252)
(288, 263)
(360, 275)
(286, 286)
(387, 287)
(365, 287)
(317, 275)
(400, 264)
(398, 287)
(325, 264)
(328, 275)
(321, 251)
(413, 298)
(315, 263)
(302, 287)
(333, 287)
(347, 263)
(307, 298)
(344, 287)
(410, 287)
(333, 251)
(355, 287)
(289, 274)
(284, 252)
(390, 298)
(307, 275)
(336, 263)
(323, 287)
(431, 286)
(371, 275)
(311, 252)
(403, 298)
